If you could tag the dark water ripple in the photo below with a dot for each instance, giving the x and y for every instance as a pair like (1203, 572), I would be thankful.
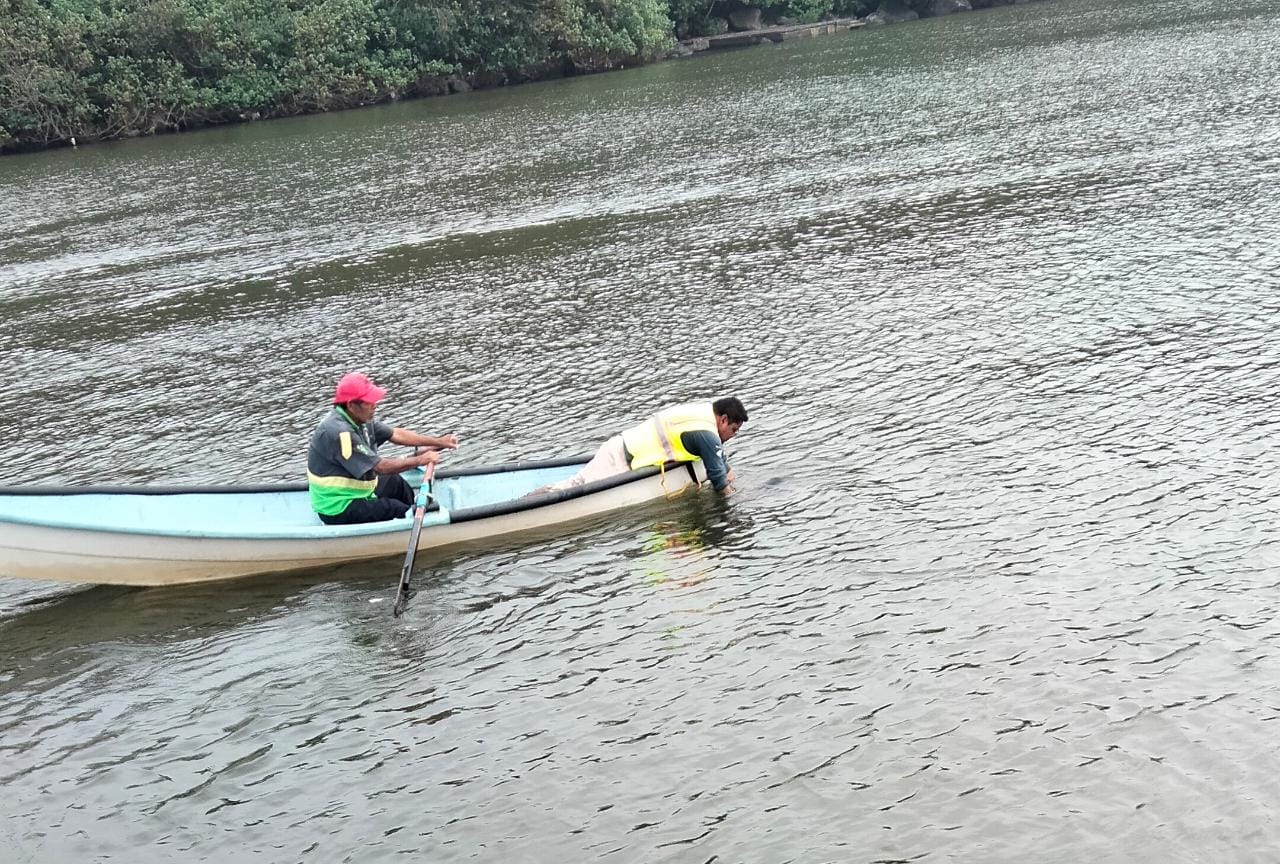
(999, 582)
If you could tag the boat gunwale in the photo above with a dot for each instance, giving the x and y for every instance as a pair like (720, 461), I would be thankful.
(254, 488)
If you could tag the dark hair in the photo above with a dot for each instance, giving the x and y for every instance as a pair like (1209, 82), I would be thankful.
(730, 407)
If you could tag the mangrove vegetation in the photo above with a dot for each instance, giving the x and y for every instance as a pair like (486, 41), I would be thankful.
(92, 70)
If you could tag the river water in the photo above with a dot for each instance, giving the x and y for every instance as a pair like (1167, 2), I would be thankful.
(1000, 579)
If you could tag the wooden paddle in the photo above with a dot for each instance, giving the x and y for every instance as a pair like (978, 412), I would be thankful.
(404, 594)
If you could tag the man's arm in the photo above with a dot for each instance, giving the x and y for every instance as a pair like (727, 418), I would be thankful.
(409, 438)
(395, 466)
(707, 447)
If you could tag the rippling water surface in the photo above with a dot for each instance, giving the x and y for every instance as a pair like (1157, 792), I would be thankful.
(1000, 580)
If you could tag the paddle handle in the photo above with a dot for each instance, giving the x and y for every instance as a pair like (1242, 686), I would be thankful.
(424, 490)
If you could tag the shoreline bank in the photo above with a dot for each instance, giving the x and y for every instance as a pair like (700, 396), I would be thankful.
(776, 34)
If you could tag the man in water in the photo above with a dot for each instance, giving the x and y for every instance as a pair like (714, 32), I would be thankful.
(349, 482)
(681, 433)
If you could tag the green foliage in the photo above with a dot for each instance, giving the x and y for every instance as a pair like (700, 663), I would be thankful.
(854, 8)
(42, 97)
(802, 10)
(96, 69)
(692, 17)
(599, 35)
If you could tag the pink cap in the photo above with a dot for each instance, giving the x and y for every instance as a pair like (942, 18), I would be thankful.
(355, 387)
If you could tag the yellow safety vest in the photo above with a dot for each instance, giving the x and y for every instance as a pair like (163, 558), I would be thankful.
(657, 440)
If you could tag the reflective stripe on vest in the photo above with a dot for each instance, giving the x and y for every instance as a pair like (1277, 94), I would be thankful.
(657, 440)
(331, 495)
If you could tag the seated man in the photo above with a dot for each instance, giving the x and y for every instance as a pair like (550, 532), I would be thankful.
(349, 482)
(681, 433)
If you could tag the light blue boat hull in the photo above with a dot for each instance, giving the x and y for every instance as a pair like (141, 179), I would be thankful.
(141, 536)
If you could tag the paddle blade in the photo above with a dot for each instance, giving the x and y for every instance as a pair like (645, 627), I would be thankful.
(403, 597)
(404, 593)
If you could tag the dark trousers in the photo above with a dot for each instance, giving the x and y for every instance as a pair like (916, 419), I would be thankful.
(392, 499)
